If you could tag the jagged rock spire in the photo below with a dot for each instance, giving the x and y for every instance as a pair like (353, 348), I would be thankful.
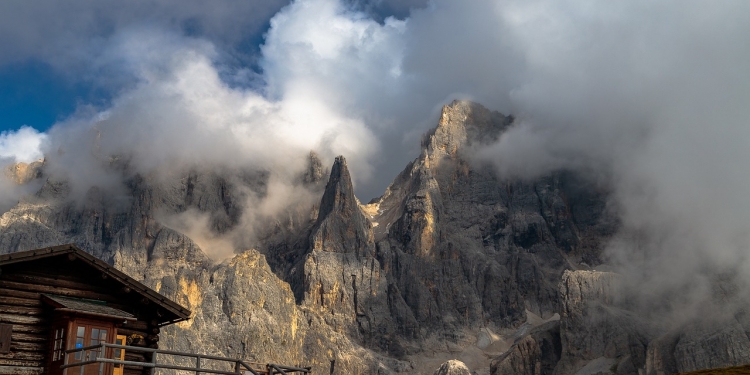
(339, 194)
(342, 279)
(341, 227)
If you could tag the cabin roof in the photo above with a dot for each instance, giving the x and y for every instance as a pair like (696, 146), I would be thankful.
(86, 306)
(180, 312)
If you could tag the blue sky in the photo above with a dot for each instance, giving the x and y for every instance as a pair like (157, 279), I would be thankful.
(34, 94)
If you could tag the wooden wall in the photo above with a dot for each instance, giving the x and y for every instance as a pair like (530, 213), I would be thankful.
(30, 323)
(141, 334)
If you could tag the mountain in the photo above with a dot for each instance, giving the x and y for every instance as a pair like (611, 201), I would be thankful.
(450, 262)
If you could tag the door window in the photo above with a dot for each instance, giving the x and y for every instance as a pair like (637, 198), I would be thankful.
(57, 344)
(80, 339)
(97, 336)
(88, 334)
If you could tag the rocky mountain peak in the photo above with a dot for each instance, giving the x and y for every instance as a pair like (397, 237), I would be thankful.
(22, 173)
(341, 226)
(462, 123)
(453, 367)
(339, 193)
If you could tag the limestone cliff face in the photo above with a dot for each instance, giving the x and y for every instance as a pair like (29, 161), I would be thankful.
(599, 334)
(536, 353)
(698, 345)
(463, 248)
(450, 251)
(594, 325)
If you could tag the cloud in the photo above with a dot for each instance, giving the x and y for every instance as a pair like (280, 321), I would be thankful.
(22, 145)
(180, 111)
(646, 97)
(18, 149)
(181, 114)
(68, 34)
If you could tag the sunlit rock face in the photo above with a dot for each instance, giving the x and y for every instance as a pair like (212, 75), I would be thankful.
(451, 260)
(22, 173)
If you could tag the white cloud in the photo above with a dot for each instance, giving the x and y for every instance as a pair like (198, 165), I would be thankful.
(181, 114)
(22, 145)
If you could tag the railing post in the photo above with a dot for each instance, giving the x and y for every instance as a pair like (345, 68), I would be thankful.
(237, 367)
(103, 354)
(153, 360)
(197, 365)
(65, 361)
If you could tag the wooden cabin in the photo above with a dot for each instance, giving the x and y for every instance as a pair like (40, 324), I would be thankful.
(61, 297)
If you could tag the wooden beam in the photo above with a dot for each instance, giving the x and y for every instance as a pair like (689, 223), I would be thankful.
(21, 310)
(19, 293)
(56, 282)
(28, 337)
(19, 346)
(21, 363)
(56, 290)
(137, 325)
(15, 301)
(21, 370)
(128, 332)
(27, 320)
(31, 329)
(29, 356)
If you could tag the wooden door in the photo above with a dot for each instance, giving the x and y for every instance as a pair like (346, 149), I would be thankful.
(86, 333)
(58, 339)
(119, 354)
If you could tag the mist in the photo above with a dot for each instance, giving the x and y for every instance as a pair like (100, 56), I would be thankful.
(649, 99)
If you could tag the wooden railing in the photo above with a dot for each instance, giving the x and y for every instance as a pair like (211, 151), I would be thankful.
(96, 354)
